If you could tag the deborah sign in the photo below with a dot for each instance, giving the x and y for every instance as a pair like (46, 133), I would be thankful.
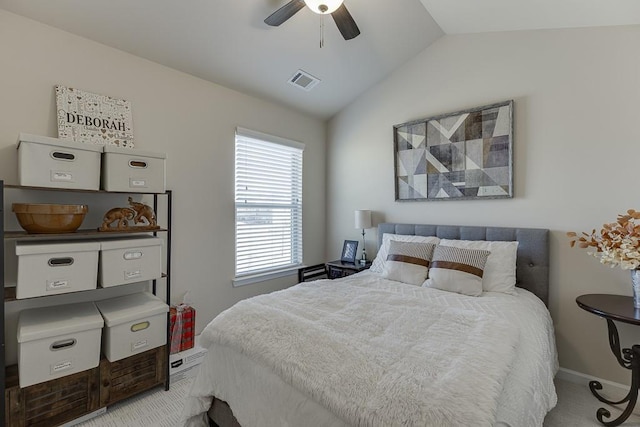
(93, 118)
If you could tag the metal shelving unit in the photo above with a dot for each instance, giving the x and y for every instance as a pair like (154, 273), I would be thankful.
(9, 293)
(2, 346)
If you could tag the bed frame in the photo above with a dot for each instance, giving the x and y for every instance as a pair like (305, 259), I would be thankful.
(532, 270)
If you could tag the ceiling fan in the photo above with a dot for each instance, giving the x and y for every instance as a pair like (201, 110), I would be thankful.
(336, 8)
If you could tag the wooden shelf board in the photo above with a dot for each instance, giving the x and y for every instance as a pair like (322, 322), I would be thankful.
(83, 232)
(73, 190)
(10, 293)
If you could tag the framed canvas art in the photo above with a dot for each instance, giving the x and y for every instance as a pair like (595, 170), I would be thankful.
(92, 118)
(458, 156)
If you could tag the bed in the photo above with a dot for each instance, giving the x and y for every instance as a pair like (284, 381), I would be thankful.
(371, 350)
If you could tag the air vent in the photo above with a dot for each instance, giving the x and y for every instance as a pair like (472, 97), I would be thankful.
(304, 80)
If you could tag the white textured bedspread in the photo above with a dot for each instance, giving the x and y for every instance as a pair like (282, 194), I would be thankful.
(374, 352)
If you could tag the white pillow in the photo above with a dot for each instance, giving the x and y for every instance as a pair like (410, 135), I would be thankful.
(500, 270)
(408, 262)
(457, 270)
(377, 266)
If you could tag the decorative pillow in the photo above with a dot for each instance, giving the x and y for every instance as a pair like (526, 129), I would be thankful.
(408, 262)
(457, 270)
(500, 271)
(378, 263)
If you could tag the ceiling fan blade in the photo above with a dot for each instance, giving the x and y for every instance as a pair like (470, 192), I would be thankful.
(284, 13)
(345, 23)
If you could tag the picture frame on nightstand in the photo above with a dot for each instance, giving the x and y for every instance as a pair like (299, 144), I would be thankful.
(349, 249)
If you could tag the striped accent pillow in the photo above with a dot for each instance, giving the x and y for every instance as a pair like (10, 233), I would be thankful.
(408, 262)
(381, 258)
(457, 270)
(500, 269)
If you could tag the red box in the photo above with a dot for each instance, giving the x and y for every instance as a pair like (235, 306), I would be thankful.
(182, 337)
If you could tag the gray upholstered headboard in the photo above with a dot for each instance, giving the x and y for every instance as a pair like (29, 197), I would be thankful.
(532, 266)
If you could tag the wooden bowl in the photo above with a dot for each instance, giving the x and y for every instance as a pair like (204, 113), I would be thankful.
(41, 218)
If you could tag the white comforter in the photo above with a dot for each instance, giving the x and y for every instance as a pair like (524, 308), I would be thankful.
(369, 351)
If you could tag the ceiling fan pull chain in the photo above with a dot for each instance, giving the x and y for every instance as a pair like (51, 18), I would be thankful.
(321, 31)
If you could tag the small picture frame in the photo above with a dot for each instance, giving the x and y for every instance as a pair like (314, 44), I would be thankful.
(349, 251)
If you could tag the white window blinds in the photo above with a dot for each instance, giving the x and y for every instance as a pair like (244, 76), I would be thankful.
(268, 201)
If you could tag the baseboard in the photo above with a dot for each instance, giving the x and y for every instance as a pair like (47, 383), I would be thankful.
(580, 378)
(610, 388)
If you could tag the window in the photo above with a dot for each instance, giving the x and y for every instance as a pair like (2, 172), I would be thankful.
(268, 203)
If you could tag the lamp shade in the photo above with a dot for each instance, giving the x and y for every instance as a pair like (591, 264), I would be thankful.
(363, 219)
(323, 7)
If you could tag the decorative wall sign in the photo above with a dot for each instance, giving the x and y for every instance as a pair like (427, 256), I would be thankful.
(92, 118)
(457, 156)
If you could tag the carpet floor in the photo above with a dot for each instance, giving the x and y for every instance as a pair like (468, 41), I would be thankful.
(577, 408)
(158, 408)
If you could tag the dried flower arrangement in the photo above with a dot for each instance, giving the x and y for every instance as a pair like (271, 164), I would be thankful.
(618, 243)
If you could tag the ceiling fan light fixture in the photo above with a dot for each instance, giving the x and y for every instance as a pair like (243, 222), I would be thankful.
(323, 7)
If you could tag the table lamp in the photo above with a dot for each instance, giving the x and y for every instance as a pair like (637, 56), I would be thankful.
(363, 221)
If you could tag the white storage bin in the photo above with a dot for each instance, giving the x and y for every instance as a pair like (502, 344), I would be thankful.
(130, 261)
(58, 341)
(124, 169)
(52, 162)
(133, 324)
(51, 268)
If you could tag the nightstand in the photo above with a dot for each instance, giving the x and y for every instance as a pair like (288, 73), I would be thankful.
(337, 269)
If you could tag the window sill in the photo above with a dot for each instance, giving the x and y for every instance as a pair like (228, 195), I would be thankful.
(263, 277)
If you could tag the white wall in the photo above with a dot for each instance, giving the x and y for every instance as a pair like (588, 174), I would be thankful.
(577, 145)
(192, 120)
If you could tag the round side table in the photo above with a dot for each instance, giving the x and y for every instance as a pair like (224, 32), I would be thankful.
(619, 308)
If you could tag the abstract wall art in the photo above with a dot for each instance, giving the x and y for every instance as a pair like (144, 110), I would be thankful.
(458, 156)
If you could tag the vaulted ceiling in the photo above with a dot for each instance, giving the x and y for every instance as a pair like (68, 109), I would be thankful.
(227, 42)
